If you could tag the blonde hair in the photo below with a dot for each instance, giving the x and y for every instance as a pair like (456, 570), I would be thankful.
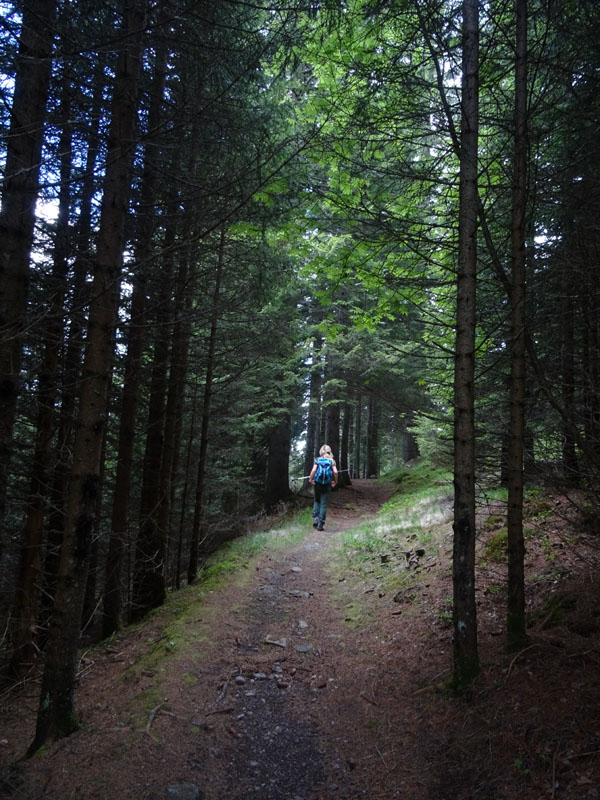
(325, 451)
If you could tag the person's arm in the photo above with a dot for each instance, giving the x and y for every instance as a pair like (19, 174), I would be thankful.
(335, 475)
(311, 477)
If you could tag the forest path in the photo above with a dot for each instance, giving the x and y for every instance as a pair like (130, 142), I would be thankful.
(314, 674)
(275, 687)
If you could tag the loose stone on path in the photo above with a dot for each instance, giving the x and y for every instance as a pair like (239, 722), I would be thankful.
(278, 642)
(183, 791)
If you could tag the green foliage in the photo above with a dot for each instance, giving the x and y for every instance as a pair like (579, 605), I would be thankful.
(496, 546)
(419, 503)
(553, 610)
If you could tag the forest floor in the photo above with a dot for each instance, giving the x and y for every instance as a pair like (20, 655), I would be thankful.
(315, 672)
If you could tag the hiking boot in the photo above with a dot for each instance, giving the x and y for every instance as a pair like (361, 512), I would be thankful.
(320, 526)
(315, 522)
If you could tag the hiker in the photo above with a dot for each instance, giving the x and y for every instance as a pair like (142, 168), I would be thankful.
(323, 477)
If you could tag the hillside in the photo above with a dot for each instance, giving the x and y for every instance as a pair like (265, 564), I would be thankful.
(313, 667)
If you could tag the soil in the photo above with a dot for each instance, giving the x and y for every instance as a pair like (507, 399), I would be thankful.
(303, 677)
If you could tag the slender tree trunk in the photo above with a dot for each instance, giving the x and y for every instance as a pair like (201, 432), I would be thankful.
(314, 407)
(17, 216)
(410, 446)
(569, 449)
(71, 366)
(332, 428)
(357, 437)
(177, 374)
(185, 491)
(198, 534)
(113, 602)
(149, 572)
(372, 444)
(344, 471)
(515, 621)
(30, 578)
(56, 713)
(466, 658)
(278, 469)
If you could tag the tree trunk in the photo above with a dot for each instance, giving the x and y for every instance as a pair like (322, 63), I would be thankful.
(278, 464)
(198, 534)
(176, 388)
(56, 713)
(113, 603)
(149, 589)
(344, 465)
(30, 577)
(410, 446)
(357, 437)
(569, 450)
(314, 409)
(372, 444)
(332, 429)
(184, 494)
(71, 366)
(515, 620)
(466, 658)
(17, 216)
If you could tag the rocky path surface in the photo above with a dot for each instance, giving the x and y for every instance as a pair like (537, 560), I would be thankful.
(272, 694)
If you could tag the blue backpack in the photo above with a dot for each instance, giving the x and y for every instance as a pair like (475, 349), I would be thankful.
(324, 473)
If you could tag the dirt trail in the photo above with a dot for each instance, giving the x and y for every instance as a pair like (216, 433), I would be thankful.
(294, 680)
(272, 697)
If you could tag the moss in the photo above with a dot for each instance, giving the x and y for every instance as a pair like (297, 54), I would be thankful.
(496, 546)
(553, 611)
(493, 521)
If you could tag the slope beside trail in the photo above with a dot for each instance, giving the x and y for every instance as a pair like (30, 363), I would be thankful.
(307, 675)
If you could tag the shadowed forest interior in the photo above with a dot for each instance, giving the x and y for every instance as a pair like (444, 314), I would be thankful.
(231, 232)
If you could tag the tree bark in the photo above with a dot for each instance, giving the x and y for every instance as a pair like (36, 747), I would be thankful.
(515, 620)
(198, 533)
(357, 437)
(410, 446)
(278, 469)
(344, 465)
(332, 429)
(30, 577)
(113, 603)
(314, 409)
(71, 366)
(149, 590)
(372, 443)
(175, 393)
(466, 658)
(56, 714)
(17, 216)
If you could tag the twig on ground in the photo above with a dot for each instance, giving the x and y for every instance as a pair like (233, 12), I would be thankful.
(519, 654)
(219, 711)
(152, 717)
(223, 691)
(368, 699)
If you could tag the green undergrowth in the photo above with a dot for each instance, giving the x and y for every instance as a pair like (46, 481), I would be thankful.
(387, 550)
(412, 514)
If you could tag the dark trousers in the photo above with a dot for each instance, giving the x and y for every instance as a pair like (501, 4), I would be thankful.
(322, 492)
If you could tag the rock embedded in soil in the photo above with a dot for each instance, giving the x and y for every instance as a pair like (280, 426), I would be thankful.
(183, 791)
